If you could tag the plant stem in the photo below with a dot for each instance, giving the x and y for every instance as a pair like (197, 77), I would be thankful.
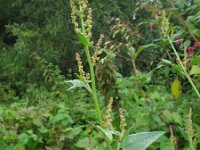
(118, 146)
(91, 66)
(94, 91)
(183, 68)
(138, 81)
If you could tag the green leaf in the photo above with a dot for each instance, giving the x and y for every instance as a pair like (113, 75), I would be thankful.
(107, 132)
(131, 51)
(142, 140)
(187, 43)
(195, 69)
(23, 138)
(195, 61)
(83, 40)
(141, 48)
(83, 143)
(21, 147)
(166, 61)
(78, 83)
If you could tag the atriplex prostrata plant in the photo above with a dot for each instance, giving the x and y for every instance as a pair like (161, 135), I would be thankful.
(82, 20)
(166, 30)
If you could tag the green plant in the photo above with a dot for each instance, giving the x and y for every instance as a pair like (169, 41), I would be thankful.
(36, 127)
(165, 29)
(82, 20)
(85, 34)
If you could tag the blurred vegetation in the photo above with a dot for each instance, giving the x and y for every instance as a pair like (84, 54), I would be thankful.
(138, 68)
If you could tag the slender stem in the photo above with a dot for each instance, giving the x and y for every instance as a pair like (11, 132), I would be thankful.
(94, 91)
(91, 66)
(118, 146)
(183, 68)
(138, 81)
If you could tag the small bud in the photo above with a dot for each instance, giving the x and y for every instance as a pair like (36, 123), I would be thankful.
(196, 45)
(190, 51)
(177, 41)
(151, 26)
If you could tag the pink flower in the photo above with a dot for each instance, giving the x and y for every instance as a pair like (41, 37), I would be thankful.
(177, 41)
(151, 26)
(190, 51)
(196, 45)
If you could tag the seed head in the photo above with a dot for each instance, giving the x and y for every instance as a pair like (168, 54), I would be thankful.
(122, 120)
(107, 117)
(95, 56)
(89, 23)
(190, 130)
(165, 23)
(80, 66)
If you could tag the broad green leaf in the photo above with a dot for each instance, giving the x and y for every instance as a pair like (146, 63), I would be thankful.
(23, 138)
(195, 69)
(187, 43)
(83, 143)
(177, 118)
(78, 83)
(142, 140)
(21, 147)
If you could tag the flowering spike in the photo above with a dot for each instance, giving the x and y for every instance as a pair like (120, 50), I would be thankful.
(80, 66)
(165, 23)
(107, 117)
(97, 49)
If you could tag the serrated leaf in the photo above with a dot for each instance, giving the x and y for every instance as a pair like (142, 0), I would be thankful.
(142, 140)
(78, 83)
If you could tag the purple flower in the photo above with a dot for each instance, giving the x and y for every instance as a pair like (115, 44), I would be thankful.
(151, 26)
(196, 45)
(190, 51)
(177, 41)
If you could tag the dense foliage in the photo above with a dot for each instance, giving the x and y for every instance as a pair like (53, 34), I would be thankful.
(121, 75)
